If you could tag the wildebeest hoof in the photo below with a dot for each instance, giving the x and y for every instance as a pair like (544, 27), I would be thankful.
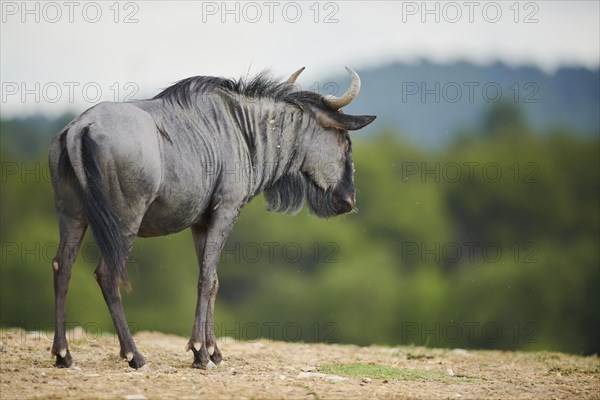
(200, 364)
(216, 357)
(135, 360)
(63, 359)
(200, 358)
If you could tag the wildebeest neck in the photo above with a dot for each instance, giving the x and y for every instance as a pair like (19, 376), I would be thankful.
(271, 133)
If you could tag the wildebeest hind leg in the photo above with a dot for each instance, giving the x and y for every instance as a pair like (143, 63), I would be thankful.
(112, 296)
(71, 233)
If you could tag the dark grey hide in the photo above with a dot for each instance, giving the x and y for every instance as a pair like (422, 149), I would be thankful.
(191, 157)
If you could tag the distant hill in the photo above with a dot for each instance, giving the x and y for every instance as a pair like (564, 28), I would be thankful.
(429, 103)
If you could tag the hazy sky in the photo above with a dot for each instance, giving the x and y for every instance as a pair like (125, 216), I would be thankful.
(60, 56)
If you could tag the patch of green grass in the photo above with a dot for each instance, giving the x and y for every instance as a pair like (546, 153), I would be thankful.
(544, 356)
(566, 371)
(411, 356)
(374, 371)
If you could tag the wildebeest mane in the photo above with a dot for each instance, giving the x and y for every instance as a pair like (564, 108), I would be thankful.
(288, 194)
(261, 86)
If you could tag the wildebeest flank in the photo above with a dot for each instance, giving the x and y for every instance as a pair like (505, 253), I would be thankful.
(182, 143)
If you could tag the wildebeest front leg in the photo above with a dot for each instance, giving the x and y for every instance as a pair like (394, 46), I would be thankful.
(211, 339)
(209, 242)
(71, 233)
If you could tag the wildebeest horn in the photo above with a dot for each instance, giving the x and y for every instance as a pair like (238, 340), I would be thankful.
(292, 79)
(336, 103)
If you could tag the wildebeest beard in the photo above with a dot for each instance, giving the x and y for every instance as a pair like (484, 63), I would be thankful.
(287, 195)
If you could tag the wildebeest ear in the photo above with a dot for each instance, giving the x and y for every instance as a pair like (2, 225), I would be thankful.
(344, 121)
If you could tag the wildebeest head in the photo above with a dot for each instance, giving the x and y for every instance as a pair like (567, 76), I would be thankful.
(326, 175)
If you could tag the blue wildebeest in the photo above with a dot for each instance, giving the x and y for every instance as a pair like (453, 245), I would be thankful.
(182, 143)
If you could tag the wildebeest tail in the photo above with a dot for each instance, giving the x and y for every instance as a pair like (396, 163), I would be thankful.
(100, 214)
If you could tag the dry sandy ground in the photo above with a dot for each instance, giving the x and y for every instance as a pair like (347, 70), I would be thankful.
(266, 369)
